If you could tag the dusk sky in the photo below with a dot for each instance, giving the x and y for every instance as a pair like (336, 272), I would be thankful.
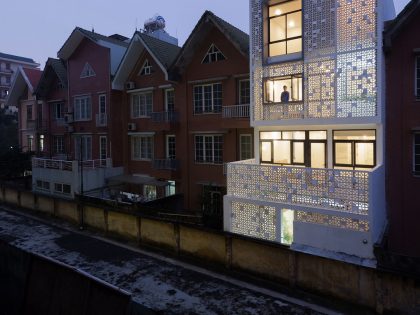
(44, 25)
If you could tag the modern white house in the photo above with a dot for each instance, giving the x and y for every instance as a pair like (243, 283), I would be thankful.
(317, 182)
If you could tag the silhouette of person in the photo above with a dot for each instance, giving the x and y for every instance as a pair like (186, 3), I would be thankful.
(285, 95)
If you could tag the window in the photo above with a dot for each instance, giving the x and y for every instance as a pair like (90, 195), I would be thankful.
(82, 108)
(417, 77)
(170, 189)
(170, 147)
(245, 142)
(213, 55)
(102, 104)
(354, 149)
(102, 147)
(284, 89)
(87, 71)
(244, 92)
(41, 143)
(417, 154)
(142, 147)
(58, 111)
(83, 148)
(40, 184)
(29, 112)
(301, 148)
(58, 145)
(209, 149)
(149, 192)
(62, 188)
(146, 69)
(169, 100)
(208, 98)
(141, 105)
(285, 27)
(30, 143)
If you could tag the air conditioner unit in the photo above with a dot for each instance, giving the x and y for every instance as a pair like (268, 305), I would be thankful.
(68, 118)
(130, 85)
(132, 126)
(70, 129)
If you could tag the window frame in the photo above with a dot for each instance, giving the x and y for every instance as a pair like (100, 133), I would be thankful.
(87, 71)
(149, 146)
(241, 136)
(214, 53)
(286, 38)
(240, 85)
(60, 111)
(147, 110)
(281, 78)
(215, 109)
(82, 109)
(213, 159)
(103, 147)
(169, 149)
(167, 91)
(146, 69)
(58, 145)
(87, 147)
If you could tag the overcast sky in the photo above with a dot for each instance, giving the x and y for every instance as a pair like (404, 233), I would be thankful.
(37, 29)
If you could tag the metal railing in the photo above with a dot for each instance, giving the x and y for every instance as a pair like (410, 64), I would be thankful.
(236, 111)
(52, 164)
(101, 163)
(167, 116)
(166, 164)
(101, 120)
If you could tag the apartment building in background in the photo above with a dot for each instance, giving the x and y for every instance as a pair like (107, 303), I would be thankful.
(9, 65)
(317, 182)
(401, 250)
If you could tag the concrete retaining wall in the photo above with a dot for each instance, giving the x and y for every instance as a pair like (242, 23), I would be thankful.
(378, 290)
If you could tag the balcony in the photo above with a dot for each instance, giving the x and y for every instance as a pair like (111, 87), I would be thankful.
(309, 205)
(54, 164)
(166, 164)
(236, 111)
(280, 111)
(101, 120)
(165, 117)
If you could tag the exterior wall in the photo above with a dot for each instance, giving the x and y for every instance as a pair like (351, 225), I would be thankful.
(403, 117)
(27, 125)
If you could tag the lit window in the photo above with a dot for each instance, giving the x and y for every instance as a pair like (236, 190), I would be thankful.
(285, 27)
(209, 149)
(354, 149)
(284, 89)
(208, 98)
(417, 154)
(142, 147)
(41, 143)
(87, 71)
(141, 105)
(146, 69)
(213, 55)
(82, 108)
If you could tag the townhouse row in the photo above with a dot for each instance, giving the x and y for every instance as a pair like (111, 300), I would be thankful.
(142, 118)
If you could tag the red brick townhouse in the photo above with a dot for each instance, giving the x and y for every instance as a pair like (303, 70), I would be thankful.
(80, 104)
(186, 112)
(402, 50)
(30, 135)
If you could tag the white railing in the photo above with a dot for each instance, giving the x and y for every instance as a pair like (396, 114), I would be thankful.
(52, 164)
(279, 111)
(236, 111)
(101, 163)
(101, 120)
(340, 190)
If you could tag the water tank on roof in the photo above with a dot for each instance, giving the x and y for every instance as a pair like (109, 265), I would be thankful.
(157, 22)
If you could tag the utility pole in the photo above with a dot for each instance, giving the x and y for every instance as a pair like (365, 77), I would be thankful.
(81, 183)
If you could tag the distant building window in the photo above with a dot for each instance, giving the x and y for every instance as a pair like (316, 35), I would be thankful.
(169, 100)
(30, 143)
(418, 77)
(87, 71)
(41, 143)
(417, 154)
(245, 143)
(208, 98)
(141, 105)
(83, 148)
(284, 89)
(142, 147)
(213, 55)
(43, 185)
(149, 192)
(244, 92)
(82, 108)
(146, 69)
(103, 147)
(62, 188)
(58, 145)
(58, 111)
(170, 147)
(209, 149)
(285, 27)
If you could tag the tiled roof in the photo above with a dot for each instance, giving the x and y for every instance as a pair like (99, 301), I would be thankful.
(53, 67)
(59, 68)
(33, 76)
(95, 37)
(17, 58)
(164, 51)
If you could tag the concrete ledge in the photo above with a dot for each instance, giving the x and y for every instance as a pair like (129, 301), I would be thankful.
(158, 233)
(94, 217)
(67, 210)
(45, 204)
(123, 225)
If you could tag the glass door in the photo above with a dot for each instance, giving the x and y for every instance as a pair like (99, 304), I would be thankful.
(318, 155)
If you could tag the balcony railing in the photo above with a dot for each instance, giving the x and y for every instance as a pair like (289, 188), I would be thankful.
(279, 111)
(52, 164)
(236, 111)
(168, 116)
(101, 163)
(340, 190)
(101, 120)
(166, 164)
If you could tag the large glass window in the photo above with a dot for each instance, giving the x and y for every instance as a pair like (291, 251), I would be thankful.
(141, 105)
(142, 147)
(284, 89)
(285, 27)
(208, 98)
(58, 111)
(301, 148)
(82, 108)
(170, 147)
(209, 149)
(417, 154)
(58, 144)
(103, 150)
(354, 149)
(245, 147)
(83, 148)
(169, 100)
(244, 92)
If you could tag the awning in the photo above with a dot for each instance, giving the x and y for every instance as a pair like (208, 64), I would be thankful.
(138, 180)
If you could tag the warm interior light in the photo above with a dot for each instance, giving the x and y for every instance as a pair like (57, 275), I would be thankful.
(292, 24)
(277, 12)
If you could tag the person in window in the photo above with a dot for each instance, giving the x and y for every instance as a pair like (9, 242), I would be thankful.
(285, 95)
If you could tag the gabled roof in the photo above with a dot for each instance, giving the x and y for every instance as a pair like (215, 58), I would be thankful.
(17, 58)
(394, 27)
(162, 52)
(24, 77)
(237, 37)
(53, 68)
